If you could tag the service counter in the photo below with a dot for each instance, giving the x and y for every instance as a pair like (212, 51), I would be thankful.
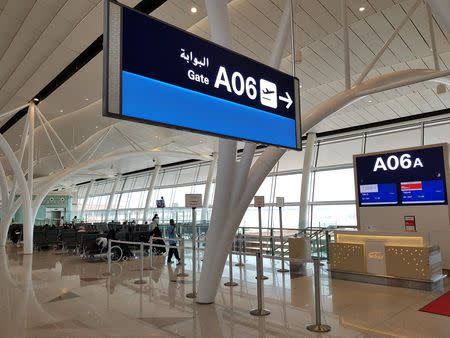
(405, 260)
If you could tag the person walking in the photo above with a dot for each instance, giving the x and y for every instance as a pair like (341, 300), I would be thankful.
(173, 242)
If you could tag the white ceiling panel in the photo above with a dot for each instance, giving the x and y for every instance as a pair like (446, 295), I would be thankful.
(384, 30)
(55, 63)
(90, 26)
(433, 99)
(378, 5)
(373, 42)
(9, 26)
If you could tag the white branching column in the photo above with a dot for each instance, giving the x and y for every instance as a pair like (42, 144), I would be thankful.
(86, 197)
(236, 183)
(8, 191)
(441, 10)
(151, 187)
(111, 198)
(209, 179)
(306, 180)
(20, 184)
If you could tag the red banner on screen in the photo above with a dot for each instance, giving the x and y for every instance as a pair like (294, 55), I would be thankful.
(411, 186)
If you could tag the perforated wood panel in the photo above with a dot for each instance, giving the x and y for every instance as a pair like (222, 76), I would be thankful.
(409, 262)
(347, 257)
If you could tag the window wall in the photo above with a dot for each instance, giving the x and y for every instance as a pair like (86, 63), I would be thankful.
(129, 200)
(332, 198)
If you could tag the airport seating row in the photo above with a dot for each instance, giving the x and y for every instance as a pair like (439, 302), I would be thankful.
(75, 240)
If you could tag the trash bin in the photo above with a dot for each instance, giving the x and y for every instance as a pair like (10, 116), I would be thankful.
(300, 248)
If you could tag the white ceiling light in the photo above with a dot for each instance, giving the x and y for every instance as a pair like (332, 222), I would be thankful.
(61, 111)
(194, 10)
(370, 101)
(362, 9)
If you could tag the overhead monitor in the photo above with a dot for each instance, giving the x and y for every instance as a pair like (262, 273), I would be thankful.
(415, 176)
(158, 74)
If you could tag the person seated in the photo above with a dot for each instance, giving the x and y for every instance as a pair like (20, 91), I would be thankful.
(15, 234)
(81, 228)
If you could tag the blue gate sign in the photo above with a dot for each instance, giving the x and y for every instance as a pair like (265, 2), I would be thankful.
(158, 74)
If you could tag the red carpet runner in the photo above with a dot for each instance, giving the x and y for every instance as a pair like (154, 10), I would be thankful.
(440, 306)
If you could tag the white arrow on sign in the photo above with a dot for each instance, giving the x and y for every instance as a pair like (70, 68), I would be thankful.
(286, 99)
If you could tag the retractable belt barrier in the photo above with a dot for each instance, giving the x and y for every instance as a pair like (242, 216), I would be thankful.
(259, 311)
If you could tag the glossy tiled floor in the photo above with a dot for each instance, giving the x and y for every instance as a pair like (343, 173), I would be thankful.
(53, 295)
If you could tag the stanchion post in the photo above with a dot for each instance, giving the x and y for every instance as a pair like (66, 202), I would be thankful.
(244, 248)
(193, 201)
(260, 231)
(108, 255)
(280, 204)
(272, 242)
(150, 254)
(327, 241)
(240, 246)
(193, 294)
(318, 326)
(141, 253)
(230, 261)
(259, 311)
(259, 203)
(182, 273)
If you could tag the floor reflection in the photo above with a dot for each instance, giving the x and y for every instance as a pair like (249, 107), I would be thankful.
(51, 291)
(20, 308)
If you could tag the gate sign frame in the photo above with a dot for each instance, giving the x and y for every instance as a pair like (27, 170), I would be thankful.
(158, 74)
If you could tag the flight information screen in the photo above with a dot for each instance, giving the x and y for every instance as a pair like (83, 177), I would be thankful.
(423, 192)
(408, 177)
(374, 194)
